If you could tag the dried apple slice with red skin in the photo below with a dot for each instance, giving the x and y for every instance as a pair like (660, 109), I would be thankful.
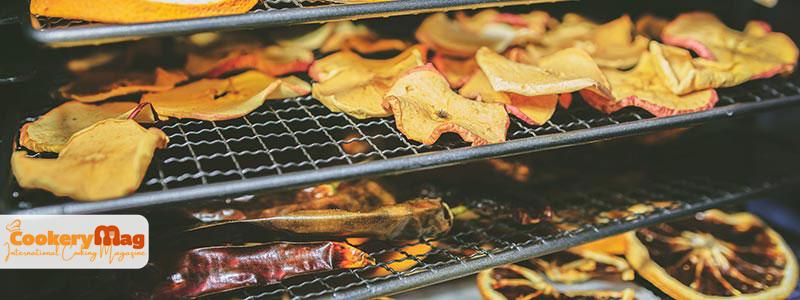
(328, 66)
(271, 60)
(215, 99)
(525, 28)
(138, 11)
(81, 171)
(52, 130)
(766, 53)
(534, 110)
(99, 86)
(425, 107)
(456, 71)
(714, 255)
(290, 87)
(450, 38)
(347, 35)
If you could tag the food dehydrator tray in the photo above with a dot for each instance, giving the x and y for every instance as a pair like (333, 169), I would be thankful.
(57, 32)
(298, 142)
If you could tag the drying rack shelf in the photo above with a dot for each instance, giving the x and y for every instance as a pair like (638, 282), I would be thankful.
(57, 32)
(298, 142)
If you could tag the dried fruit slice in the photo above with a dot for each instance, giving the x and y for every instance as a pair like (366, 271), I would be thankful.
(290, 87)
(651, 26)
(99, 86)
(425, 107)
(138, 11)
(347, 35)
(52, 130)
(356, 86)
(311, 40)
(272, 60)
(403, 259)
(579, 265)
(215, 99)
(643, 88)
(81, 171)
(451, 38)
(534, 110)
(611, 245)
(526, 27)
(714, 255)
(684, 74)
(456, 71)
(516, 282)
(761, 52)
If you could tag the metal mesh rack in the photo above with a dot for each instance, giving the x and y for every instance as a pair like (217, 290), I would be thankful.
(58, 32)
(297, 142)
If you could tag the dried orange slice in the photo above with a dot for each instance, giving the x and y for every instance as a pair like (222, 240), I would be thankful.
(215, 99)
(81, 171)
(758, 51)
(425, 107)
(611, 245)
(271, 60)
(714, 255)
(138, 11)
(579, 265)
(516, 282)
(52, 130)
(356, 86)
(450, 38)
(99, 86)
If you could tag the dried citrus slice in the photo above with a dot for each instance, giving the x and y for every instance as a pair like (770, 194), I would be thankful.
(578, 265)
(450, 38)
(611, 245)
(138, 11)
(425, 107)
(714, 255)
(403, 259)
(272, 60)
(759, 51)
(99, 86)
(52, 130)
(215, 99)
(456, 71)
(81, 171)
(516, 282)
(355, 85)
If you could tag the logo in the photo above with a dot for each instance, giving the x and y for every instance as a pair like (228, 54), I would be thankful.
(74, 242)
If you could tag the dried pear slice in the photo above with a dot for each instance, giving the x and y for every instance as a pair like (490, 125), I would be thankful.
(138, 11)
(579, 265)
(272, 60)
(760, 52)
(357, 86)
(81, 171)
(52, 131)
(215, 99)
(714, 255)
(425, 107)
(450, 38)
(534, 110)
(515, 282)
(456, 71)
(643, 88)
(99, 86)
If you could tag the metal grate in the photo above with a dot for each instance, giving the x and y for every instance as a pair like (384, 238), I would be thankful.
(295, 142)
(58, 32)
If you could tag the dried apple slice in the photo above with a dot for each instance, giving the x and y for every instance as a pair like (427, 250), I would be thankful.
(99, 86)
(516, 282)
(215, 99)
(456, 71)
(684, 74)
(271, 60)
(311, 40)
(450, 38)
(52, 130)
(138, 11)
(643, 88)
(534, 110)
(290, 87)
(356, 86)
(714, 255)
(347, 35)
(579, 265)
(81, 171)
(425, 107)
(761, 52)
(526, 27)
(651, 26)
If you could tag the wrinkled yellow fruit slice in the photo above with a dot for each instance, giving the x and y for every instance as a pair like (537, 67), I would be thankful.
(272, 60)
(82, 170)
(138, 11)
(757, 51)
(356, 86)
(651, 26)
(684, 74)
(215, 99)
(450, 38)
(534, 110)
(424, 107)
(52, 130)
(99, 86)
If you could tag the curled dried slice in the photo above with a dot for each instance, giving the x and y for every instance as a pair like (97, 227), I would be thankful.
(138, 11)
(52, 130)
(516, 282)
(456, 71)
(271, 60)
(356, 86)
(99, 86)
(684, 74)
(450, 38)
(534, 110)
(311, 40)
(81, 171)
(714, 255)
(526, 27)
(651, 26)
(215, 99)
(425, 107)
(347, 35)
(760, 52)
(612, 245)
(290, 87)
(579, 265)
(643, 88)
(354, 197)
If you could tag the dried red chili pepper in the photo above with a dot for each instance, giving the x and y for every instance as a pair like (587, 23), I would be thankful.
(210, 270)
